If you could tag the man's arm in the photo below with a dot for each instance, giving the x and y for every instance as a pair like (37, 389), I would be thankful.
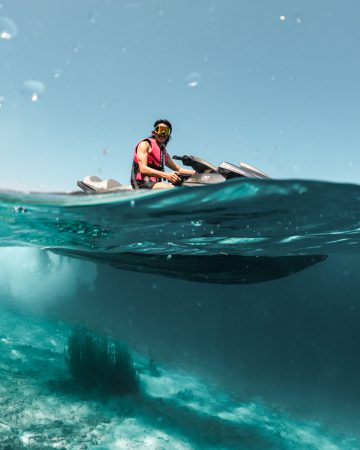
(142, 153)
(172, 165)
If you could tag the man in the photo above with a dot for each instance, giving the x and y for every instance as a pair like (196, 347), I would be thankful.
(150, 159)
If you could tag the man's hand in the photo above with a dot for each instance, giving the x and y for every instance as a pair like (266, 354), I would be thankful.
(173, 177)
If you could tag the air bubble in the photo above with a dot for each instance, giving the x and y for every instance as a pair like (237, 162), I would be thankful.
(19, 210)
(196, 223)
(8, 29)
(169, 257)
(132, 203)
(2, 101)
(298, 19)
(282, 18)
(33, 89)
(193, 79)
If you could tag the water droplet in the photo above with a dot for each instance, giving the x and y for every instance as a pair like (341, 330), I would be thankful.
(193, 79)
(298, 19)
(33, 89)
(57, 73)
(77, 47)
(2, 101)
(196, 223)
(93, 17)
(169, 257)
(8, 28)
(282, 18)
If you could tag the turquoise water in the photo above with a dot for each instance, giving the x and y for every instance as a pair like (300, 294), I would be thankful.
(231, 298)
(249, 218)
(40, 407)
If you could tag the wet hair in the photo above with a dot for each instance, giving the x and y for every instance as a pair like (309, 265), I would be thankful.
(168, 124)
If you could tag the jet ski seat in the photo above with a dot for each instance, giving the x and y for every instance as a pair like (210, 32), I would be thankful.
(92, 184)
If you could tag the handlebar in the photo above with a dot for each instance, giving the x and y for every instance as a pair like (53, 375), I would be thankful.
(186, 160)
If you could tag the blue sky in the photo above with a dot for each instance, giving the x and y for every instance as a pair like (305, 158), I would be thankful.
(272, 83)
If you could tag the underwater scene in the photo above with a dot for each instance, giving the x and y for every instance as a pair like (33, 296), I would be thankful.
(219, 330)
(216, 316)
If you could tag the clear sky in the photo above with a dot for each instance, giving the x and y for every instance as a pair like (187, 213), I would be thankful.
(274, 83)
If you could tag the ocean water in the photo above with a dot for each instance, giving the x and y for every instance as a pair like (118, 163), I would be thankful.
(240, 217)
(239, 303)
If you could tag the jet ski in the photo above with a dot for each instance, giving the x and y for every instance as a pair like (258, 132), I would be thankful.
(206, 173)
(214, 269)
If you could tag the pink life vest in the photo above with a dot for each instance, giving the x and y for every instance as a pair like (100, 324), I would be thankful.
(157, 157)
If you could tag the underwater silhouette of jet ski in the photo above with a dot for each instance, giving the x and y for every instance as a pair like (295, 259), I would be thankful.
(206, 173)
(214, 269)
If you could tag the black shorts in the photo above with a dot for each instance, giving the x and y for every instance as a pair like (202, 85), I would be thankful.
(143, 184)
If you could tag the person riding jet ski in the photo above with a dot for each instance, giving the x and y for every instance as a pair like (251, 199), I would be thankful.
(148, 168)
(150, 159)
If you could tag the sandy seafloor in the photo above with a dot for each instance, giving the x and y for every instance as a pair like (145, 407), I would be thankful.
(41, 408)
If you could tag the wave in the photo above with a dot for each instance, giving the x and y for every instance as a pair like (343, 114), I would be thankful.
(258, 219)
